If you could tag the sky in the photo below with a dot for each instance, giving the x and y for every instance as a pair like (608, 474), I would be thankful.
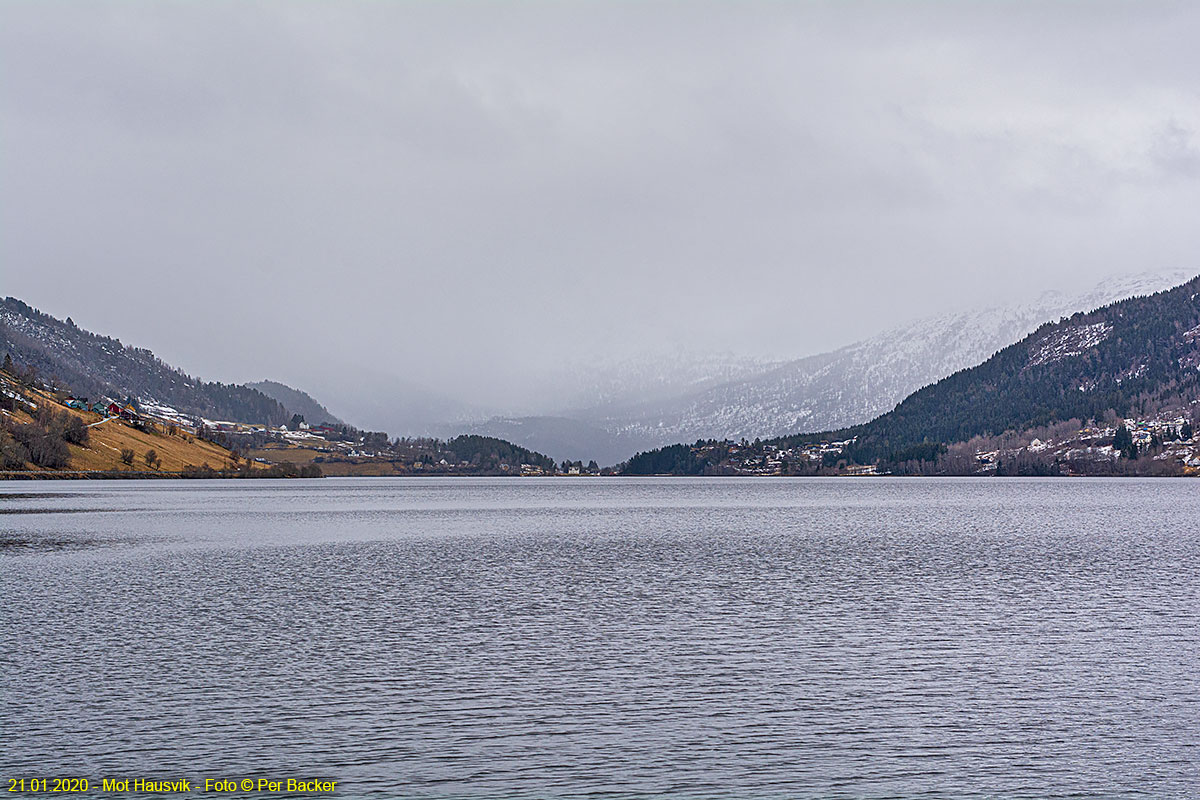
(466, 197)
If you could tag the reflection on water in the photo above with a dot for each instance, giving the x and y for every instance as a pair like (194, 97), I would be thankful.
(558, 638)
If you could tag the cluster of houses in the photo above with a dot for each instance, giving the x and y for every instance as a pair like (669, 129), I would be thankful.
(743, 458)
(1165, 437)
(314, 430)
(105, 407)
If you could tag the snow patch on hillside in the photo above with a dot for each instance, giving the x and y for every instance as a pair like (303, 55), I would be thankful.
(1068, 343)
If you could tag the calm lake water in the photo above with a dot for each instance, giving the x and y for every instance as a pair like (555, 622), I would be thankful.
(682, 638)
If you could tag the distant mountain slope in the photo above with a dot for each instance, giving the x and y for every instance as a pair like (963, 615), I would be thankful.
(98, 365)
(560, 437)
(587, 397)
(297, 402)
(1124, 357)
(863, 380)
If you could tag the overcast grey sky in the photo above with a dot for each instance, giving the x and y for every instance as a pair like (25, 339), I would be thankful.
(465, 193)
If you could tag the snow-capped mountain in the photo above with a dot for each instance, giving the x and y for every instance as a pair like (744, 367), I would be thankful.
(831, 390)
(863, 380)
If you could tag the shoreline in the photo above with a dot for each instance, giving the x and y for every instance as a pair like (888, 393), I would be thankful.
(84, 475)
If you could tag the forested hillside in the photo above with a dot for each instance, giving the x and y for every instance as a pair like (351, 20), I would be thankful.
(490, 453)
(1127, 358)
(297, 402)
(95, 365)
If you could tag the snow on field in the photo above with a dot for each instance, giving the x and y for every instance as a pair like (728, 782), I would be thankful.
(165, 412)
(20, 398)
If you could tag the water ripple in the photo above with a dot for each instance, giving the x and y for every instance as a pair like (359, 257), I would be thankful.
(615, 639)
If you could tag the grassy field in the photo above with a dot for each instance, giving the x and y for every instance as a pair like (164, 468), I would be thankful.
(107, 439)
(372, 468)
(306, 455)
(281, 454)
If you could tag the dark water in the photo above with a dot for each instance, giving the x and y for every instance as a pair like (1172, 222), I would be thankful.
(568, 638)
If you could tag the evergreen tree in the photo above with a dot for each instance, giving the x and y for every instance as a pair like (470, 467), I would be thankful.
(1123, 443)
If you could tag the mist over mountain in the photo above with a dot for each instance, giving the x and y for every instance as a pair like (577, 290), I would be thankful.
(375, 399)
(825, 391)
(649, 377)
(568, 423)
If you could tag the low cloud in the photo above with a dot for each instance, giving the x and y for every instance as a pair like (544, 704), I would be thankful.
(468, 196)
